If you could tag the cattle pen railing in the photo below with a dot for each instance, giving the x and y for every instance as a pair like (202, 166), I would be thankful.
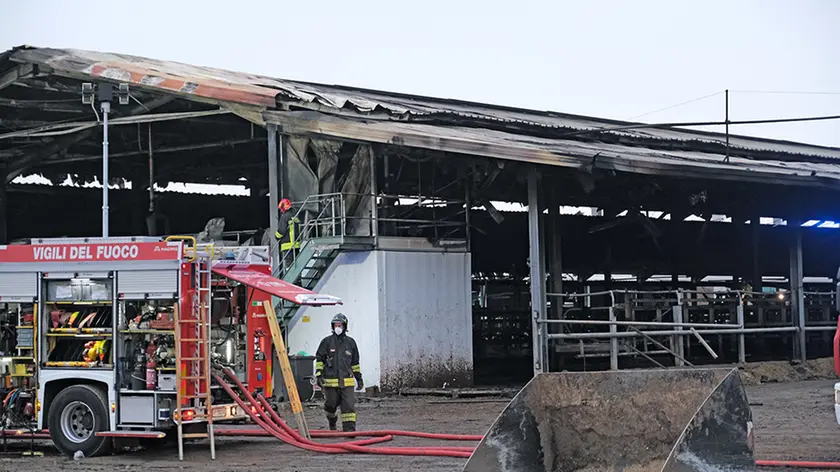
(650, 324)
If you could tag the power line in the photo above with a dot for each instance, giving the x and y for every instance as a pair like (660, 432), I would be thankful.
(785, 92)
(703, 123)
(675, 106)
(779, 92)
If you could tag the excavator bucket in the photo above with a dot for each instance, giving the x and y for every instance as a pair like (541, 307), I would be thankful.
(631, 421)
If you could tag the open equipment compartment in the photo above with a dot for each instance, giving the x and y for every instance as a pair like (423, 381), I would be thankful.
(79, 320)
(146, 363)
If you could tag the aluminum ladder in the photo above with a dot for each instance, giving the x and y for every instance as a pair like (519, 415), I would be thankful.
(194, 368)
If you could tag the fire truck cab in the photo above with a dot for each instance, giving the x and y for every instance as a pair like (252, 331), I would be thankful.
(122, 334)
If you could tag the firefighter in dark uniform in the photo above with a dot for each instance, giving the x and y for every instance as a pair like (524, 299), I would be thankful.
(283, 233)
(336, 368)
(287, 227)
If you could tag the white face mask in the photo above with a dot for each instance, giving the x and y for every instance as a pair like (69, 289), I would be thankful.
(338, 330)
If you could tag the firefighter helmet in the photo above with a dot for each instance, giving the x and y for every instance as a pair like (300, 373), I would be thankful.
(284, 205)
(339, 318)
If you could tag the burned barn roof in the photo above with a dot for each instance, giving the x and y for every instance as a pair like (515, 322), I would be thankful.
(452, 126)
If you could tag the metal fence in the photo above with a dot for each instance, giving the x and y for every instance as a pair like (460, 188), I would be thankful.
(650, 324)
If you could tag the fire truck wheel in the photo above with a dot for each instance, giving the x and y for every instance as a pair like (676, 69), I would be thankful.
(75, 415)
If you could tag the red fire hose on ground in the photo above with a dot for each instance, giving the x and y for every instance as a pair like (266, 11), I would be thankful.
(273, 425)
(799, 464)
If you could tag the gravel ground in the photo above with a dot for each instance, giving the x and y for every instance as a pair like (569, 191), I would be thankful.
(793, 421)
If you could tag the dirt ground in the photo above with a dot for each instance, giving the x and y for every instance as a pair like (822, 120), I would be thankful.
(794, 420)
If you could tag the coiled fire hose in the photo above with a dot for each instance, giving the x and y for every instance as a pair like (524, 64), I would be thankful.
(270, 422)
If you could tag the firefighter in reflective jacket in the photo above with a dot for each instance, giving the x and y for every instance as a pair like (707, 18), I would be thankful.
(336, 367)
(286, 226)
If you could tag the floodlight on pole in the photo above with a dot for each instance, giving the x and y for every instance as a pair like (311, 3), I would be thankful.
(104, 92)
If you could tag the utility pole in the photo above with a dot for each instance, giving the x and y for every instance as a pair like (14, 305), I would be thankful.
(105, 94)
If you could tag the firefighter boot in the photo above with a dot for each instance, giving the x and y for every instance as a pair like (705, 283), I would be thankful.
(348, 422)
(333, 421)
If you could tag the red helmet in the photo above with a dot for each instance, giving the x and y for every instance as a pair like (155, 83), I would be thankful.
(284, 205)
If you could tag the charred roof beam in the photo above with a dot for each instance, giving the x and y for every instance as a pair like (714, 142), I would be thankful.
(43, 105)
(16, 168)
(20, 72)
(47, 84)
(188, 147)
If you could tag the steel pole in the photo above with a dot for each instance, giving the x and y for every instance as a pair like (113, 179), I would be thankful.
(797, 301)
(106, 107)
(274, 195)
(374, 210)
(538, 299)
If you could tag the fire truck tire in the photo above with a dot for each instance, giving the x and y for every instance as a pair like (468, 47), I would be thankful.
(75, 415)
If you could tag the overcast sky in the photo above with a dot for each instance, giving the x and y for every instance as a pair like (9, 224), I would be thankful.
(616, 59)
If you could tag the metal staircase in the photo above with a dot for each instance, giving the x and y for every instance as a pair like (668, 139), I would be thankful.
(309, 266)
(192, 354)
(322, 237)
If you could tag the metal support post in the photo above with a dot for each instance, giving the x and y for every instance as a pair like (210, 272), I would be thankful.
(556, 254)
(282, 166)
(680, 342)
(4, 208)
(282, 186)
(537, 274)
(151, 225)
(739, 311)
(273, 192)
(544, 314)
(613, 341)
(374, 220)
(106, 108)
(628, 314)
(755, 228)
(797, 299)
(467, 207)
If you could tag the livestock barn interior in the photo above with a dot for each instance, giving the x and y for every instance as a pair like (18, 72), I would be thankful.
(635, 224)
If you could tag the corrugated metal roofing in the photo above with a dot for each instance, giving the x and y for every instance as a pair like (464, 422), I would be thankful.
(564, 153)
(537, 135)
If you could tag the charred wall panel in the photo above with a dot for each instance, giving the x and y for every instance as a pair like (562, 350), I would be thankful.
(426, 319)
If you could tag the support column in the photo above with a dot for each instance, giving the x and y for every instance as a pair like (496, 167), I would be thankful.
(374, 220)
(4, 207)
(556, 253)
(756, 277)
(555, 272)
(678, 341)
(613, 340)
(537, 273)
(137, 200)
(739, 312)
(151, 215)
(797, 292)
(608, 264)
(467, 206)
(273, 192)
(755, 227)
(676, 258)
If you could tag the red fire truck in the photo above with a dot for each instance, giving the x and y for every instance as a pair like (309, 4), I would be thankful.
(122, 333)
